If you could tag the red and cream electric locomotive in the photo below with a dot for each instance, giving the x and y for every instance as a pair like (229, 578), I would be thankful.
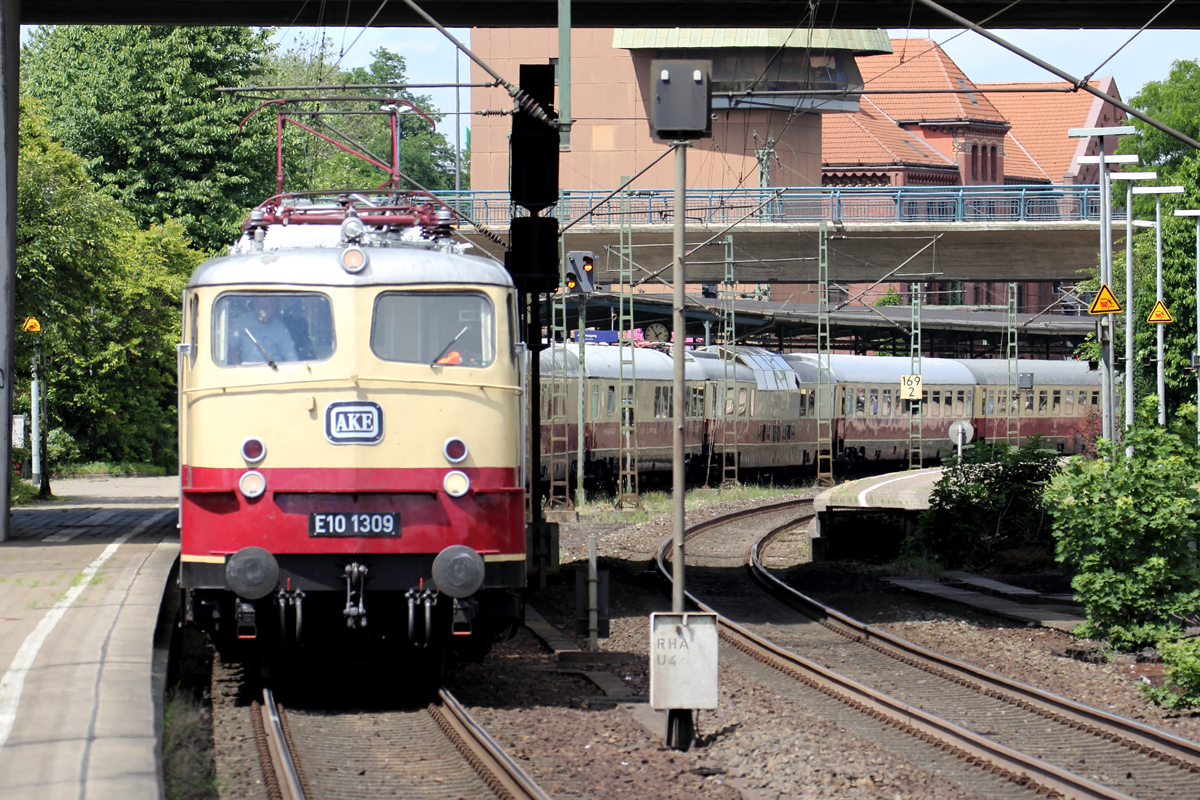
(350, 396)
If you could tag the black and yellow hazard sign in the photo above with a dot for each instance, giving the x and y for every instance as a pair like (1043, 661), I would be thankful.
(1159, 313)
(1105, 302)
(32, 325)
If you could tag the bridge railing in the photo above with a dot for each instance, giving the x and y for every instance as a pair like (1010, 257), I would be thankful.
(919, 204)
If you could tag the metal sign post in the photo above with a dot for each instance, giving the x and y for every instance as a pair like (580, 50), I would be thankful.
(1195, 213)
(1158, 192)
(682, 111)
(1129, 178)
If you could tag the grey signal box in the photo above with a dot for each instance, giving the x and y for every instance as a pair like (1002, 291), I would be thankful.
(681, 104)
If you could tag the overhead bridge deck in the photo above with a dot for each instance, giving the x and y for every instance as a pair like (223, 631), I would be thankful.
(977, 233)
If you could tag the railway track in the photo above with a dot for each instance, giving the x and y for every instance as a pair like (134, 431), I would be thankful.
(1038, 741)
(434, 752)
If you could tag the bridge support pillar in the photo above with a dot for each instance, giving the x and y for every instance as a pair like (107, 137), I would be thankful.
(10, 52)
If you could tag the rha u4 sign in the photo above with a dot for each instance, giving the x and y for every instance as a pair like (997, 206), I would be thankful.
(353, 422)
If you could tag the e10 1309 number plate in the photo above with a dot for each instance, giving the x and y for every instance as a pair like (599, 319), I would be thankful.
(362, 524)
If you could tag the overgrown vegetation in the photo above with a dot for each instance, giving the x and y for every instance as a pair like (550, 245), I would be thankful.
(988, 503)
(1123, 524)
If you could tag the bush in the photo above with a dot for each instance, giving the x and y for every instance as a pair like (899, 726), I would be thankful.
(1182, 689)
(987, 504)
(1123, 524)
(61, 448)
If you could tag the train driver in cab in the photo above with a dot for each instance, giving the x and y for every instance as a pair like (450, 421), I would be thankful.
(267, 339)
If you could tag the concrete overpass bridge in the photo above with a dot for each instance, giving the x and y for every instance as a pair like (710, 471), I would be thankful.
(973, 233)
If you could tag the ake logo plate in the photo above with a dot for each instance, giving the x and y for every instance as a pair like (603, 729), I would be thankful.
(354, 422)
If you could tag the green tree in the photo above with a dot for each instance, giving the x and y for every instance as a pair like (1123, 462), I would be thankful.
(987, 503)
(1175, 102)
(138, 103)
(107, 295)
(1124, 523)
(891, 298)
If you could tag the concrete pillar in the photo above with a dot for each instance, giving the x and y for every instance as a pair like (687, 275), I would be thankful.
(10, 51)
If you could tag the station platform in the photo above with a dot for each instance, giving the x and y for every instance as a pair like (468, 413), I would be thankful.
(81, 583)
(999, 599)
(874, 513)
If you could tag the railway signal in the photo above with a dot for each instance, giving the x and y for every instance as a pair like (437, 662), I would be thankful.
(579, 272)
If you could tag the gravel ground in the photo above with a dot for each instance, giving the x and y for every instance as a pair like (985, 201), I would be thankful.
(765, 741)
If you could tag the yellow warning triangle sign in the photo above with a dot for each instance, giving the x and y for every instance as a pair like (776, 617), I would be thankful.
(1105, 302)
(1160, 313)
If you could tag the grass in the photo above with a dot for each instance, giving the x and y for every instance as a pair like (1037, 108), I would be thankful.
(123, 468)
(21, 492)
(189, 770)
(658, 503)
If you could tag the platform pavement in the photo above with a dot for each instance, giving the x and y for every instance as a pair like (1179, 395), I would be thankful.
(908, 491)
(81, 581)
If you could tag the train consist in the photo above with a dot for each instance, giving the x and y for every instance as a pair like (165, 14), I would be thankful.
(770, 406)
(351, 445)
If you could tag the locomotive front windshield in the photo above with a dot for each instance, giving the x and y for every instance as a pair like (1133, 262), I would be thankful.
(257, 328)
(434, 328)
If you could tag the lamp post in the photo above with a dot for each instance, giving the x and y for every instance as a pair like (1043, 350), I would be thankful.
(1129, 178)
(1195, 213)
(1107, 387)
(1158, 192)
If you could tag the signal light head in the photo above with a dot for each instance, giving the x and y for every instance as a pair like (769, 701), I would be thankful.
(587, 264)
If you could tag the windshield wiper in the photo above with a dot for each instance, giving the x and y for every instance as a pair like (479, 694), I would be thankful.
(446, 349)
(261, 349)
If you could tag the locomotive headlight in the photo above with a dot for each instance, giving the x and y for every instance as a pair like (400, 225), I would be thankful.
(353, 259)
(456, 483)
(455, 450)
(253, 450)
(252, 484)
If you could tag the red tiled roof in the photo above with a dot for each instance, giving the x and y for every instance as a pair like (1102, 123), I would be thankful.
(1040, 121)
(871, 137)
(921, 64)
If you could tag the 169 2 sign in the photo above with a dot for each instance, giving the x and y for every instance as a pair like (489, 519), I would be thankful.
(910, 387)
(353, 422)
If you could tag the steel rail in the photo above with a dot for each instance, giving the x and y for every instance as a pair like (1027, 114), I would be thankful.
(282, 764)
(497, 768)
(1144, 738)
(972, 747)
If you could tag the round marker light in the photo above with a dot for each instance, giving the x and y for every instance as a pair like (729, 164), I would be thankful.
(455, 450)
(252, 484)
(353, 259)
(253, 450)
(456, 483)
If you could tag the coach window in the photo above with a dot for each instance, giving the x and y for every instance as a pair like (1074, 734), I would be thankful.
(1029, 402)
(803, 402)
(812, 402)
(610, 404)
(1096, 397)
(860, 403)
(741, 407)
(948, 403)
(1070, 409)
(991, 402)
(935, 408)
(260, 328)
(961, 403)
(887, 402)
(438, 329)
(1056, 403)
(1043, 403)
(873, 403)
(595, 400)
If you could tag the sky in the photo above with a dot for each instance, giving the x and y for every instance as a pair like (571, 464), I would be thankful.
(430, 56)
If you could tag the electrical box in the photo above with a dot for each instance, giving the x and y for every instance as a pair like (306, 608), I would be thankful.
(681, 103)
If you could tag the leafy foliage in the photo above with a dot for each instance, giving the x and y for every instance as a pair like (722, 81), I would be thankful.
(989, 502)
(107, 295)
(891, 298)
(1176, 102)
(1182, 689)
(138, 103)
(1123, 524)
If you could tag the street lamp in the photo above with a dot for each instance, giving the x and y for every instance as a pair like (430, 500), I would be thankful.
(1158, 192)
(1192, 212)
(1107, 388)
(1129, 178)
